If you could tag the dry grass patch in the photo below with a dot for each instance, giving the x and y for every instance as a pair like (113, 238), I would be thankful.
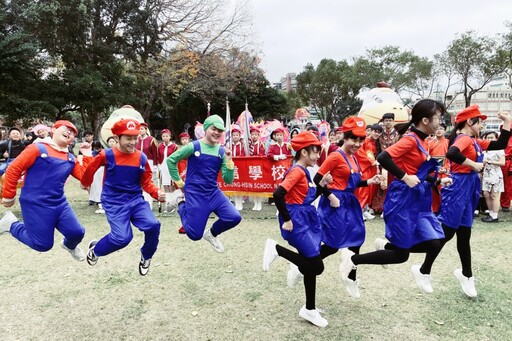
(194, 293)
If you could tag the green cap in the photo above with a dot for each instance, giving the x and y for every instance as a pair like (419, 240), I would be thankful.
(214, 120)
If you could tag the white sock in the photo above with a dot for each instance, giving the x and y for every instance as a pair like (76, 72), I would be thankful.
(494, 215)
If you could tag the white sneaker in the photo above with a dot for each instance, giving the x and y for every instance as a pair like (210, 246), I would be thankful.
(269, 253)
(100, 211)
(144, 265)
(346, 265)
(352, 288)
(294, 276)
(313, 316)
(76, 253)
(422, 281)
(174, 199)
(380, 244)
(6, 222)
(467, 284)
(217, 245)
(368, 216)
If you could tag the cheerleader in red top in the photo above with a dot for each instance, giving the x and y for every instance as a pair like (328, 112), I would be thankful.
(367, 158)
(237, 148)
(437, 148)
(148, 145)
(278, 150)
(299, 222)
(47, 165)
(257, 149)
(127, 173)
(339, 209)
(411, 226)
(256, 146)
(166, 148)
(458, 202)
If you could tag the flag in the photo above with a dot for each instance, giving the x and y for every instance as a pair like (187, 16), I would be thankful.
(227, 141)
(247, 132)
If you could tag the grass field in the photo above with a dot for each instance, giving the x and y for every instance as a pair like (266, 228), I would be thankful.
(194, 293)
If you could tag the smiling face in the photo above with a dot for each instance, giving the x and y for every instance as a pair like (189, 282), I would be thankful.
(212, 135)
(127, 143)
(351, 145)
(15, 135)
(255, 136)
(63, 136)
(309, 157)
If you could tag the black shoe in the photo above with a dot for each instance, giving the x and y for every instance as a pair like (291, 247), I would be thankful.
(505, 209)
(92, 259)
(489, 219)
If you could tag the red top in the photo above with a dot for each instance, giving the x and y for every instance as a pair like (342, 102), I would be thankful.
(148, 146)
(275, 149)
(238, 149)
(122, 159)
(171, 148)
(27, 158)
(466, 147)
(257, 149)
(340, 171)
(407, 155)
(296, 185)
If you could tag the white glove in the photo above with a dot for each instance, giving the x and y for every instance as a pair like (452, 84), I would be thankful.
(283, 157)
(276, 157)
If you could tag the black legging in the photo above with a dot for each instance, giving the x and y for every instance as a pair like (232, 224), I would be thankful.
(309, 267)
(326, 251)
(392, 254)
(463, 247)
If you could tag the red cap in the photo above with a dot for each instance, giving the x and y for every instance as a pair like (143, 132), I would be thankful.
(65, 123)
(126, 126)
(355, 124)
(165, 131)
(469, 112)
(278, 130)
(236, 130)
(304, 139)
(339, 130)
(144, 124)
(254, 130)
(182, 135)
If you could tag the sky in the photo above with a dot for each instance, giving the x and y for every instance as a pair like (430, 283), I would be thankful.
(292, 33)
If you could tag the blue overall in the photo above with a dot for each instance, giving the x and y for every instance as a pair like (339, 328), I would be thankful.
(203, 196)
(44, 206)
(124, 204)
(343, 226)
(459, 201)
(408, 211)
(306, 235)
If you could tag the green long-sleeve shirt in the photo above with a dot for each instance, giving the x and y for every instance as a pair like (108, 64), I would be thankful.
(227, 168)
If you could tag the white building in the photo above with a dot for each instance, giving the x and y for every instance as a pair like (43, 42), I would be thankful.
(495, 97)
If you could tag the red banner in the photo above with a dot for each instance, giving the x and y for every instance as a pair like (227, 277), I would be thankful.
(255, 176)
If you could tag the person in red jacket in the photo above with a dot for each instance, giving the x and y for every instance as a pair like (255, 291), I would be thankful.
(256, 149)
(166, 148)
(148, 145)
(278, 149)
(44, 207)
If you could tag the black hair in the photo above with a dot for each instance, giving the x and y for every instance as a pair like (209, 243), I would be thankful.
(495, 133)
(458, 127)
(113, 138)
(312, 128)
(309, 149)
(376, 127)
(424, 108)
(96, 145)
(88, 132)
(348, 135)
